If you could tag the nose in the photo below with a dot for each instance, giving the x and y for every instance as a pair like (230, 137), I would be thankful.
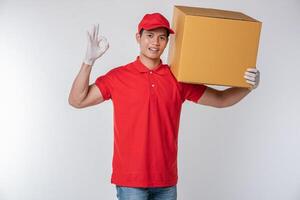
(155, 40)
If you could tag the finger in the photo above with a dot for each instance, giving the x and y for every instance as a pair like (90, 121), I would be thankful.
(88, 36)
(104, 47)
(250, 74)
(97, 31)
(252, 70)
(91, 32)
(94, 32)
(249, 78)
(250, 82)
(99, 39)
(102, 38)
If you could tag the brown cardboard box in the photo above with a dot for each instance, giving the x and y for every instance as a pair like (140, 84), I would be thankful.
(212, 46)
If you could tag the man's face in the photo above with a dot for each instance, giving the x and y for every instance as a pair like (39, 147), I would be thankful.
(153, 42)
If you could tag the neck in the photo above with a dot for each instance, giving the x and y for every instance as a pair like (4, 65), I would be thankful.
(149, 62)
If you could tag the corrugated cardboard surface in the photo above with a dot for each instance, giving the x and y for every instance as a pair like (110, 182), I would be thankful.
(213, 46)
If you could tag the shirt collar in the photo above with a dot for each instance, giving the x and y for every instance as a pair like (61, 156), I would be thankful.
(159, 69)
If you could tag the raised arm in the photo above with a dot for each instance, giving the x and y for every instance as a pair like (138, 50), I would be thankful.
(82, 94)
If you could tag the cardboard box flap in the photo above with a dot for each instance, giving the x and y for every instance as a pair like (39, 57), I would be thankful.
(215, 13)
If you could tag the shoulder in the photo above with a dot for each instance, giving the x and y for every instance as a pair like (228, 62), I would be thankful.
(118, 70)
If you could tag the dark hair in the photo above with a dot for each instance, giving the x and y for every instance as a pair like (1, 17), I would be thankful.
(142, 30)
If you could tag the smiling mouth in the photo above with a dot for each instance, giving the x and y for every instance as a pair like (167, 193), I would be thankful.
(154, 50)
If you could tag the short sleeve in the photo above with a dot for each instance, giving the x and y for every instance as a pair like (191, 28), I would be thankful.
(104, 83)
(191, 92)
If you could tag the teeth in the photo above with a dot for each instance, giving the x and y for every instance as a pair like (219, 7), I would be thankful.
(153, 49)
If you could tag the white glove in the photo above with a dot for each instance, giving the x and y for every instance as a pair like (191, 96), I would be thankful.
(252, 77)
(96, 46)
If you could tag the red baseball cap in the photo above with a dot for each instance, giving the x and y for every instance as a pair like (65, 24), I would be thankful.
(154, 20)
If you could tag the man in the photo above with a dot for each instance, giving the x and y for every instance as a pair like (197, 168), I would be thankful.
(147, 103)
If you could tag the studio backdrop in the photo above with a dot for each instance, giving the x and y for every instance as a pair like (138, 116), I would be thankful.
(52, 151)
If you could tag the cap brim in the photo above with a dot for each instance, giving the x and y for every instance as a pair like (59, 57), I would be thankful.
(159, 26)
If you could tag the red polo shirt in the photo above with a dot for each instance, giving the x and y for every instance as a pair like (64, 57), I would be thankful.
(147, 105)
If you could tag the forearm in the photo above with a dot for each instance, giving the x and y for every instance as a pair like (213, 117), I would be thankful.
(233, 95)
(80, 85)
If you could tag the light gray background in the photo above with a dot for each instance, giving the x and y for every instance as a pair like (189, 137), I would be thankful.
(51, 151)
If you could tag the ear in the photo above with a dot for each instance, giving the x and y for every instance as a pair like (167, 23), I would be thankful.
(138, 37)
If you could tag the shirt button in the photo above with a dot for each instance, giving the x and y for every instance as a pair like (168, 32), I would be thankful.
(152, 85)
(150, 72)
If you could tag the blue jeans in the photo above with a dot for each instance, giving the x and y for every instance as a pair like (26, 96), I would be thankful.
(156, 193)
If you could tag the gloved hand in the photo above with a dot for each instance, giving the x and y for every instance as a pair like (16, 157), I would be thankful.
(252, 77)
(96, 46)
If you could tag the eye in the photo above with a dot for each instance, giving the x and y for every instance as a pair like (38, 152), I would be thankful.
(162, 38)
(149, 35)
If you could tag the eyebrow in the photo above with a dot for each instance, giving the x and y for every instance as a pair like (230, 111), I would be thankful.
(163, 34)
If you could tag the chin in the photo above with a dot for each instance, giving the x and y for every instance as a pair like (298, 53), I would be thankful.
(154, 57)
(151, 56)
